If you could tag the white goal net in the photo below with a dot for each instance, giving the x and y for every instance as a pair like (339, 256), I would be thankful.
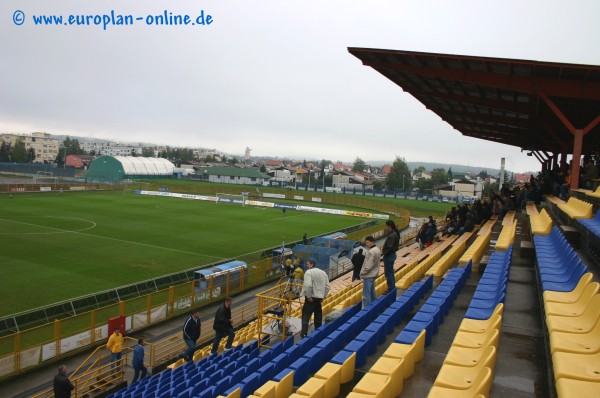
(231, 198)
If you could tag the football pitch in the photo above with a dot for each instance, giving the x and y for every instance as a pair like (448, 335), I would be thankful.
(55, 247)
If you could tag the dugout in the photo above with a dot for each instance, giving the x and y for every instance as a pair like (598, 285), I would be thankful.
(341, 244)
(335, 235)
(325, 256)
(235, 271)
(118, 168)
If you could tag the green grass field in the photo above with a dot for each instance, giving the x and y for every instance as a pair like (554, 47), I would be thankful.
(56, 247)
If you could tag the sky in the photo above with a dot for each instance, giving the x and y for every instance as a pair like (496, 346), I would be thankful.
(274, 76)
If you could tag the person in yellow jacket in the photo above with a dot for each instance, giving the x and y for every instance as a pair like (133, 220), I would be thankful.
(115, 345)
(298, 278)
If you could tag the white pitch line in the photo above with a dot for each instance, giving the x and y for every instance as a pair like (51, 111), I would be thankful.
(280, 218)
(115, 239)
(43, 226)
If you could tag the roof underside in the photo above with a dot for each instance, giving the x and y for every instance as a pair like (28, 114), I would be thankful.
(508, 101)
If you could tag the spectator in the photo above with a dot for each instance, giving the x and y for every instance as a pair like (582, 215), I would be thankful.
(431, 230)
(62, 384)
(298, 278)
(468, 226)
(115, 346)
(357, 262)
(591, 173)
(191, 334)
(566, 186)
(486, 212)
(507, 205)
(137, 363)
(223, 326)
(390, 247)
(422, 236)
(288, 267)
(370, 271)
(314, 290)
(305, 239)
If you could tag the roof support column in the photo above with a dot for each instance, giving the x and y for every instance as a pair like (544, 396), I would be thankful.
(578, 135)
(575, 167)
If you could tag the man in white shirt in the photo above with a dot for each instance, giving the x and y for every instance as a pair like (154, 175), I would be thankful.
(370, 271)
(314, 290)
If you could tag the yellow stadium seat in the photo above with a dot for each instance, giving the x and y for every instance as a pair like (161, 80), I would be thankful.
(374, 384)
(394, 368)
(331, 373)
(176, 364)
(313, 388)
(481, 385)
(462, 377)
(347, 370)
(285, 386)
(480, 326)
(570, 388)
(573, 295)
(580, 343)
(475, 340)
(583, 323)
(575, 308)
(235, 393)
(267, 390)
(462, 356)
(577, 366)
(411, 353)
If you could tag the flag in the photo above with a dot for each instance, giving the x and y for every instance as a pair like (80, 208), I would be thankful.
(282, 253)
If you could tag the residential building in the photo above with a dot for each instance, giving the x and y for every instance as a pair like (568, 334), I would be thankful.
(110, 148)
(46, 148)
(465, 187)
(233, 175)
(79, 161)
(421, 174)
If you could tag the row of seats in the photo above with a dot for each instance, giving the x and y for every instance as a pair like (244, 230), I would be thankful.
(432, 313)
(541, 224)
(450, 257)
(489, 224)
(491, 289)
(386, 376)
(572, 313)
(468, 368)
(415, 271)
(576, 208)
(507, 236)
(310, 353)
(559, 267)
(355, 339)
(190, 379)
(475, 251)
(592, 224)
(509, 218)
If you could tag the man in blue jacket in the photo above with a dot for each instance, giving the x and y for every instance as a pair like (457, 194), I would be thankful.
(191, 334)
(140, 370)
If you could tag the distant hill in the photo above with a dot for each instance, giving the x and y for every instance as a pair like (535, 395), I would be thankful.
(458, 168)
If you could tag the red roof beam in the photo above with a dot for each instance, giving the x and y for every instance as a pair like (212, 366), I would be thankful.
(528, 84)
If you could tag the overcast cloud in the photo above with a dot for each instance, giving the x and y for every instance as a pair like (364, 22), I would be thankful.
(271, 75)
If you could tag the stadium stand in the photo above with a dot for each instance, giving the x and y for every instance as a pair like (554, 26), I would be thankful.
(572, 317)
